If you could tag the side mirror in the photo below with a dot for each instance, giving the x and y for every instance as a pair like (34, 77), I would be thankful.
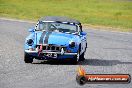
(31, 30)
(83, 33)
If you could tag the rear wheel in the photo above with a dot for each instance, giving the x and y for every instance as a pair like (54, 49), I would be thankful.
(27, 58)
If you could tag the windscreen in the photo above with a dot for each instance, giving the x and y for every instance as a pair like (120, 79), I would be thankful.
(57, 27)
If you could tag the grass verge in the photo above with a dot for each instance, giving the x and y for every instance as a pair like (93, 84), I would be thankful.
(112, 13)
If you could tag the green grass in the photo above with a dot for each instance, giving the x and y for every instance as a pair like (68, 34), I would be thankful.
(113, 13)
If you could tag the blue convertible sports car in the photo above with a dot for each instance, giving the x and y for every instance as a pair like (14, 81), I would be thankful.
(58, 38)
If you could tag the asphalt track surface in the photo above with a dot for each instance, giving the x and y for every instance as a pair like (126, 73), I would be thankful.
(107, 53)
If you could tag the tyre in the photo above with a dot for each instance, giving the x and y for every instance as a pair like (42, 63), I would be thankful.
(76, 59)
(27, 58)
(82, 57)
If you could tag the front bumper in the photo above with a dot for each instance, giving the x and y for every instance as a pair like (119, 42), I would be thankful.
(60, 55)
(30, 52)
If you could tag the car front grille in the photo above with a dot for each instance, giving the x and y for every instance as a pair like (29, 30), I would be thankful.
(52, 47)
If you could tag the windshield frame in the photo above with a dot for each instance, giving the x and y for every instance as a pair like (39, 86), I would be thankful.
(67, 23)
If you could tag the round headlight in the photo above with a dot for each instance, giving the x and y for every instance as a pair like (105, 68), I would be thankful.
(30, 42)
(72, 44)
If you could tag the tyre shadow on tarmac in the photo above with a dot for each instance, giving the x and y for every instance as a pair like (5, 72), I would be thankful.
(99, 62)
(92, 62)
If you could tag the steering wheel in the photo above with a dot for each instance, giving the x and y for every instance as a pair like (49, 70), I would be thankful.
(53, 28)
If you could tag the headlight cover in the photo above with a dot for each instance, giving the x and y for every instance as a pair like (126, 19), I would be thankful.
(30, 42)
(72, 44)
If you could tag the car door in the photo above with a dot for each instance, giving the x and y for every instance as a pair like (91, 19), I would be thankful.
(83, 41)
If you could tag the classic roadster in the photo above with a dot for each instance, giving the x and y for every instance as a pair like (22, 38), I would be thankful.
(57, 38)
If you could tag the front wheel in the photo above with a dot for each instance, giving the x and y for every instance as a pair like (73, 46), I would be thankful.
(76, 59)
(27, 58)
(82, 58)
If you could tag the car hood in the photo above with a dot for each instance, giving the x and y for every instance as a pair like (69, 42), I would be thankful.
(56, 38)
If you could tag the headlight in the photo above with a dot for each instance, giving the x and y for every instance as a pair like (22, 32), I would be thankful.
(30, 42)
(72, 44)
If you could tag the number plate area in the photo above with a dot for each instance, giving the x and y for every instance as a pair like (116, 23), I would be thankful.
(52, 55)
